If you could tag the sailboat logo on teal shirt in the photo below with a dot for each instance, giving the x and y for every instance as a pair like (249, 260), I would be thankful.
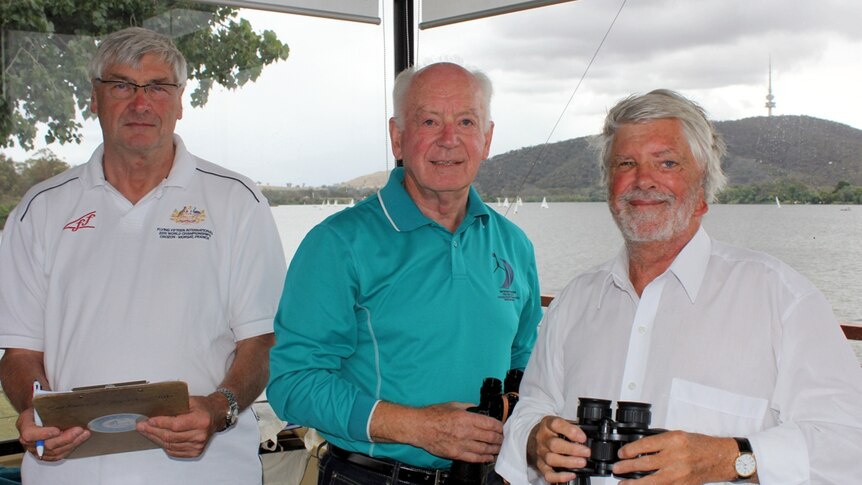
(500, 263)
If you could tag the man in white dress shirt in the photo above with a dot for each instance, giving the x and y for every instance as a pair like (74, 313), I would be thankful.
(739, 355)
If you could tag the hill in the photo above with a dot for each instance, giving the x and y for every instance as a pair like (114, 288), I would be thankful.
(801, 150)
(371, 181)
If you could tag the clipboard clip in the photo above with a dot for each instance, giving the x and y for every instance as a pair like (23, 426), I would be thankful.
(110, 386)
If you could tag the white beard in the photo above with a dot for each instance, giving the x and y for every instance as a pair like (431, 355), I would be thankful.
(653, 223)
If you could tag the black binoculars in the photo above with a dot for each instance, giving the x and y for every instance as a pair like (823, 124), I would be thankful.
(605, 436)
(497, 400)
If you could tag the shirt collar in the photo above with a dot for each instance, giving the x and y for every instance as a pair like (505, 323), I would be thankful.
(181, 172)
(404, 214)
(689, 267)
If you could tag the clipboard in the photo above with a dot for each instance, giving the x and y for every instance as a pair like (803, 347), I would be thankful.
(111, 412)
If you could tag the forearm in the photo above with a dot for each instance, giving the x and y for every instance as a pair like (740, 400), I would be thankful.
(249, 372)
(18, 369)
(394, 423)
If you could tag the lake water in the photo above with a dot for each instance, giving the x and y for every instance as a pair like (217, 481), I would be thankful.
(824, 243)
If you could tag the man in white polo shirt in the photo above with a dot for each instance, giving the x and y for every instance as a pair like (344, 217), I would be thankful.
(146, 263)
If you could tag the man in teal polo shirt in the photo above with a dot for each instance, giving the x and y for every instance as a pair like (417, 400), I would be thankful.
(394, 311)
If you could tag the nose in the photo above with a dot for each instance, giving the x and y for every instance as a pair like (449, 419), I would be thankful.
(645, 176)
(140, 100)
(448, 137)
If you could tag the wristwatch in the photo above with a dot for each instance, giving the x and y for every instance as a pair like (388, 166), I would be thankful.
(745, 464)
(232, 408)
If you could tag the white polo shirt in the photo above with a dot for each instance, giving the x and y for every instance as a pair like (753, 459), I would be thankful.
(158, 290)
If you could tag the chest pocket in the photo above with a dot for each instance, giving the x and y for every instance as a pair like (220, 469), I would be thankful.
(703, 409)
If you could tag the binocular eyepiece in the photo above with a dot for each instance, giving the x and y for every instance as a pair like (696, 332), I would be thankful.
(605, 436)
(497, 400)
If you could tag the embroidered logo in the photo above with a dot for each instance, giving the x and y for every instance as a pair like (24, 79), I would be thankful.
(189, 215)
(82, 222)
(506, 293)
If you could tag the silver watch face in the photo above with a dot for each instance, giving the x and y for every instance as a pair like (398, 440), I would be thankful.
(745, 465)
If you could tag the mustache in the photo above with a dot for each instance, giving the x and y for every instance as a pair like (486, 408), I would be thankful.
(651, 195)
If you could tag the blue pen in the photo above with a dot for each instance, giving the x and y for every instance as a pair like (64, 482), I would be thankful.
(40, 444)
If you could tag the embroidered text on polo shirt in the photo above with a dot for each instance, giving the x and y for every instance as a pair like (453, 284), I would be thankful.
(188, 215)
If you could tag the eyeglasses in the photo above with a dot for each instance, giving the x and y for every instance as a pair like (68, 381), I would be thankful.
(126, 89)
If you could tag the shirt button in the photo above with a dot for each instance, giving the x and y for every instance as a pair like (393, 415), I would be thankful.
(632, 386)
(641, 329)
(455, 244)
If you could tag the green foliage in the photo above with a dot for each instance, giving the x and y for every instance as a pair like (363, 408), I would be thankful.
(47, 44)
(17, 178)
(791, 192)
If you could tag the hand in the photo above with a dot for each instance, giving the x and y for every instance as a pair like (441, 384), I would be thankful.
(58, 444)
(680, 458)
(547, 450)
(186, 435)
(449, 431)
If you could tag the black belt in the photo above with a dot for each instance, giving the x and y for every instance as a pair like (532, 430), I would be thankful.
(407, 473)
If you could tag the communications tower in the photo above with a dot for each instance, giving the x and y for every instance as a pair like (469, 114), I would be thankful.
(770, 103)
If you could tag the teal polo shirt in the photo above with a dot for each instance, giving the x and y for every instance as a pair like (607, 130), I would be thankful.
(382, 303)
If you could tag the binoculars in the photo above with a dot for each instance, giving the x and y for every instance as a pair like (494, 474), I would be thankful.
(605, 436)
(497, 400)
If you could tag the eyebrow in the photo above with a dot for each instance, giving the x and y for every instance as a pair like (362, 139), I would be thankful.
(664, 153)
(667, 152)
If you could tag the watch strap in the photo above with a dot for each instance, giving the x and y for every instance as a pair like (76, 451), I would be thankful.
(744, 445)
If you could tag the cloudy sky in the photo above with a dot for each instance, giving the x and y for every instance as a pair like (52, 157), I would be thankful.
(320, 117)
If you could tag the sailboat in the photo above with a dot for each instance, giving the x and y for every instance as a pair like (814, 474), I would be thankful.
(520, 202)
(506, 202)
(544, 203)
(777, 202)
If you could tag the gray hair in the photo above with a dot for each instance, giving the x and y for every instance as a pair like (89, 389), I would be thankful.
(405, 79)
(706, 144)
(128, 46)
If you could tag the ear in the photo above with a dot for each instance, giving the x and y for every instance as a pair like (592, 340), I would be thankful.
(488, 136)
(702, 206)
(395, 137)
(180, 113)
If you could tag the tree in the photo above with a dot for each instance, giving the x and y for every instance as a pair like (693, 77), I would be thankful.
(9, 180)
(43, 165)
(46, 45)
(17, 178)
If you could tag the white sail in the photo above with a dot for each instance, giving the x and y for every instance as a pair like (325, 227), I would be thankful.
(544, 203)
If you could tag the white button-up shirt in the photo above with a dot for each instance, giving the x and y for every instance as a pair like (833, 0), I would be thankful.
(727, 342)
